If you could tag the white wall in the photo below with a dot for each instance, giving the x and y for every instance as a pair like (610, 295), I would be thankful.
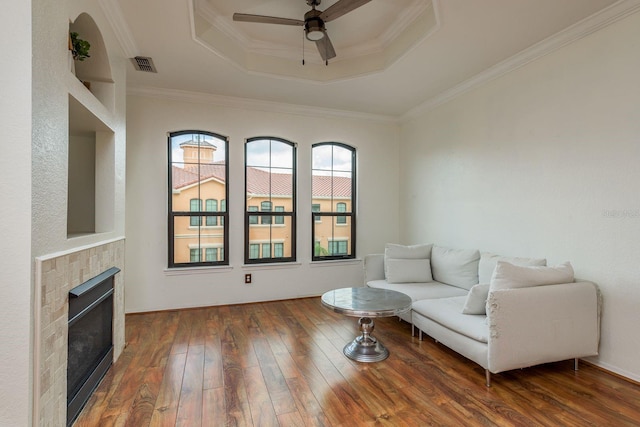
(15, 211)
(151, 287)
(543, 162)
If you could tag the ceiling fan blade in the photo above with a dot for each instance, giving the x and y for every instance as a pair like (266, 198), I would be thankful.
(325, 47)
(261, 19)
(340, 8)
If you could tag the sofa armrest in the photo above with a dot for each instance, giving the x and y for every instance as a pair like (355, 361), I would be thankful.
(373, 267)
(542, 324)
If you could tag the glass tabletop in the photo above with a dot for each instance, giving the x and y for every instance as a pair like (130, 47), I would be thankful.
(367, 302)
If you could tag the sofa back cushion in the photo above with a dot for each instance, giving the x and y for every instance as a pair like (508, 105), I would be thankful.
(402, 252)
(488, 264)
(509, 276)
(408, 270)
(476, 301)
(457, 267)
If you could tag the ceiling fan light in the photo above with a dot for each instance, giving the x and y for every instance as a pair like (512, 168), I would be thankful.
(314, 29)
(315, 35)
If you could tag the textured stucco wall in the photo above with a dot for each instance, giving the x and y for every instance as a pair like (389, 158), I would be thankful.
(52, 84)
(15, 208)
(51, 121)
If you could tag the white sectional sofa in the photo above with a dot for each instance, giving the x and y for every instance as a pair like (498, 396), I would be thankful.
(501, 312)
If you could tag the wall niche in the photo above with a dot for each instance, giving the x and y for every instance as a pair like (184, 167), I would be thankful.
(91, 148)
(91, 173)
(94, 71)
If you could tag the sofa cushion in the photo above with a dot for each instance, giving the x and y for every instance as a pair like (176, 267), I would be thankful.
(509, 276)
(476, 301)
(448, 313)
(418, 291)
(488, 263)
(408, 270)
(394, 251)
(457, 267)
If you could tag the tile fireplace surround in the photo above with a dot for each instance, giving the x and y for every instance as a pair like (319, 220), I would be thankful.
(55, 275)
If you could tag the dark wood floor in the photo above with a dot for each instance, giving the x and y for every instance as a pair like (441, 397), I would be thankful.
(281, 363)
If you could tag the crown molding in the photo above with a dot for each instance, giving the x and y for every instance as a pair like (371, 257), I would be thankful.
(403, 21)
(115, 17)
(579, 30)
(255, 104)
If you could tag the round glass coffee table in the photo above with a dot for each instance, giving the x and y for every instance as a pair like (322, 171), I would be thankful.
(366, 303)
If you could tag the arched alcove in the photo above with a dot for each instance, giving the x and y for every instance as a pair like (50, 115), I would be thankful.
(96, 69)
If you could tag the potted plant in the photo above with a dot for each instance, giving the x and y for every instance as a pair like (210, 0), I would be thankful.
(79, 48)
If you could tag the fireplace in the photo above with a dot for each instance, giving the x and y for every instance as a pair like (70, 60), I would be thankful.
(90, 344)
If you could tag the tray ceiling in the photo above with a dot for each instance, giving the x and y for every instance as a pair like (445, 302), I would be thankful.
(368, 39)
(388, 70)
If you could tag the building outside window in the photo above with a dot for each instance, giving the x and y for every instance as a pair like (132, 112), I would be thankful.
(316, 208)
(279, 219)
(270, 178)
(254, 251)
(278, 250)
(341, 207)
(211, 205)
(333, 188)
(195, 205)
(197, 171)
(211, 254)
(253, 219)
(266, 250)
(266, 207)
(338, 247)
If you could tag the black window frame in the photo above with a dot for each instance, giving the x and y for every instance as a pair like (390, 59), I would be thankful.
(270, 222)
(333, 216)
(223, 215)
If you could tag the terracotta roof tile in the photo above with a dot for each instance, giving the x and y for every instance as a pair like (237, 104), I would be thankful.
(258, 181)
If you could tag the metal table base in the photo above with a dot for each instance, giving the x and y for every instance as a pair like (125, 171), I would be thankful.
(366, 348)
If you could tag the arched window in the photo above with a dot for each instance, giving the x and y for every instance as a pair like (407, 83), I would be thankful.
(333, 189)
(197, 171)
(270, 180)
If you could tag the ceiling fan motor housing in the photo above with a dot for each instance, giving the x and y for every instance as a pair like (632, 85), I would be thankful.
(314, 25)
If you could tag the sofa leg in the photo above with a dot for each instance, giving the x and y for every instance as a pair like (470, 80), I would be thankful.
(575, 364)
(420, 334)
(413, 330)
(487, 376)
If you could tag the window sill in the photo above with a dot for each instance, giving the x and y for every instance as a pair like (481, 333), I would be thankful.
(183, 271)
(330, 262)
(271, 265)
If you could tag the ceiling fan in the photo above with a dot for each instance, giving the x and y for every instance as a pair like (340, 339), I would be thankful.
(313, 22)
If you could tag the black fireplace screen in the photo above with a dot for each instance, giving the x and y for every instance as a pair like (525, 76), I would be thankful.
(90, 345)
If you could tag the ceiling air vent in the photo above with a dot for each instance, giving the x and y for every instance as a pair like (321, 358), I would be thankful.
(144, 63)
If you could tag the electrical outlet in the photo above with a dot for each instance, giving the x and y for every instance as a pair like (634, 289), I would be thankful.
(247, 278)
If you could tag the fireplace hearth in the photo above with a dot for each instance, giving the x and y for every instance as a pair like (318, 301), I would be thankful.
(90, 344)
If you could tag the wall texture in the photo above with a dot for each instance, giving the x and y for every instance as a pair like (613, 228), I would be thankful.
(543, 162)
(15, 211)
(151, 287)
(52, 83)
(51, 124)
